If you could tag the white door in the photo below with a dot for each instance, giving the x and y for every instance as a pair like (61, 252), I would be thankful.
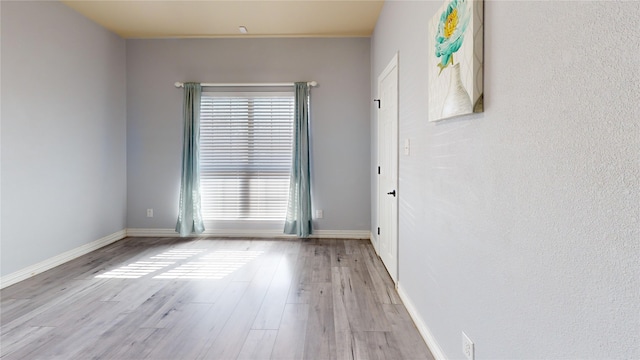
(388, 170)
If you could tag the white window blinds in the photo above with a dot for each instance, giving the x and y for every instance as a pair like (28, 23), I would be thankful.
(245, 155)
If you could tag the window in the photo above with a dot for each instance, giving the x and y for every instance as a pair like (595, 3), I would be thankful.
(245, 155)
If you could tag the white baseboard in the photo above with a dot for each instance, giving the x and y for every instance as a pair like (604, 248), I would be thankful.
(50, 263)
(436, 350)
(342, 234)
(325, 234)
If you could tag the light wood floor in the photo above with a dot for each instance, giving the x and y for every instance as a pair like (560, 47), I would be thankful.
(150, 298)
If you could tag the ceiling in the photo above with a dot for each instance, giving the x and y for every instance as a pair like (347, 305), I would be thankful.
(221, 18)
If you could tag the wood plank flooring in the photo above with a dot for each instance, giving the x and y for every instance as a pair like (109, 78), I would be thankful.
(172, 298)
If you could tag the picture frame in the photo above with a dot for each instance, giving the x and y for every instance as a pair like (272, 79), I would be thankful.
(456, 59)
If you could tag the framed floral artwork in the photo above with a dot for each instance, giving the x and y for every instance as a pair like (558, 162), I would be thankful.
(456, 41)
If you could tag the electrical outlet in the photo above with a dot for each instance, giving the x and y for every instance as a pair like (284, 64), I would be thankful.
(467, 347)
(149, 212)
(319, 214)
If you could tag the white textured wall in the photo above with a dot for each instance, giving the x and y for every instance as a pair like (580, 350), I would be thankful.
(520, 226)
(63, 132)
(339, 117)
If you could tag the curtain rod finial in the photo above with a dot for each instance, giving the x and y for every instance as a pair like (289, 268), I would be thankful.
(178, 84)
(313, 83)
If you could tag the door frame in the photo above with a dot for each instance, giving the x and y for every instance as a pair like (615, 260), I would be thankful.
(393, 64)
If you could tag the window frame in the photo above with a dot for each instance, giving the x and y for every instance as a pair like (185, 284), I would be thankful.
(251, 168)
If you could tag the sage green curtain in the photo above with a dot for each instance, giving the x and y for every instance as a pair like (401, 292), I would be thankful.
(189, 213)
(298, 219)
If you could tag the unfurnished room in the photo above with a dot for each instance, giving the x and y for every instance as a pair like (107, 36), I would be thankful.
(319, 179)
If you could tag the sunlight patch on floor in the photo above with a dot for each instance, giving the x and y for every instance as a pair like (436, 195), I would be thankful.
(178, 254)
(136, 270)
(215, 265)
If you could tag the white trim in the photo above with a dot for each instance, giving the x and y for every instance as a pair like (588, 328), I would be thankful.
(137, 232)
(428, 337)
(310, 83)
(342, 234)
(325, 234)
(66, 256)
(393, 63)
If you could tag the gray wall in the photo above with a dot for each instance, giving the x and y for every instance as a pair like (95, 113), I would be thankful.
(340, 117)
(519, 226)
(63, 132)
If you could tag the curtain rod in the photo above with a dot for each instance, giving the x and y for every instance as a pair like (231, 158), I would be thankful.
(311, 83)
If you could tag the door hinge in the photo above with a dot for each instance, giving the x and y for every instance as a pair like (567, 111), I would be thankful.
(378, 101)
(378, 230)
(378, 170)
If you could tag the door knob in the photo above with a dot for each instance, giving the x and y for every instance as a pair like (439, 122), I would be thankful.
(392, 193)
